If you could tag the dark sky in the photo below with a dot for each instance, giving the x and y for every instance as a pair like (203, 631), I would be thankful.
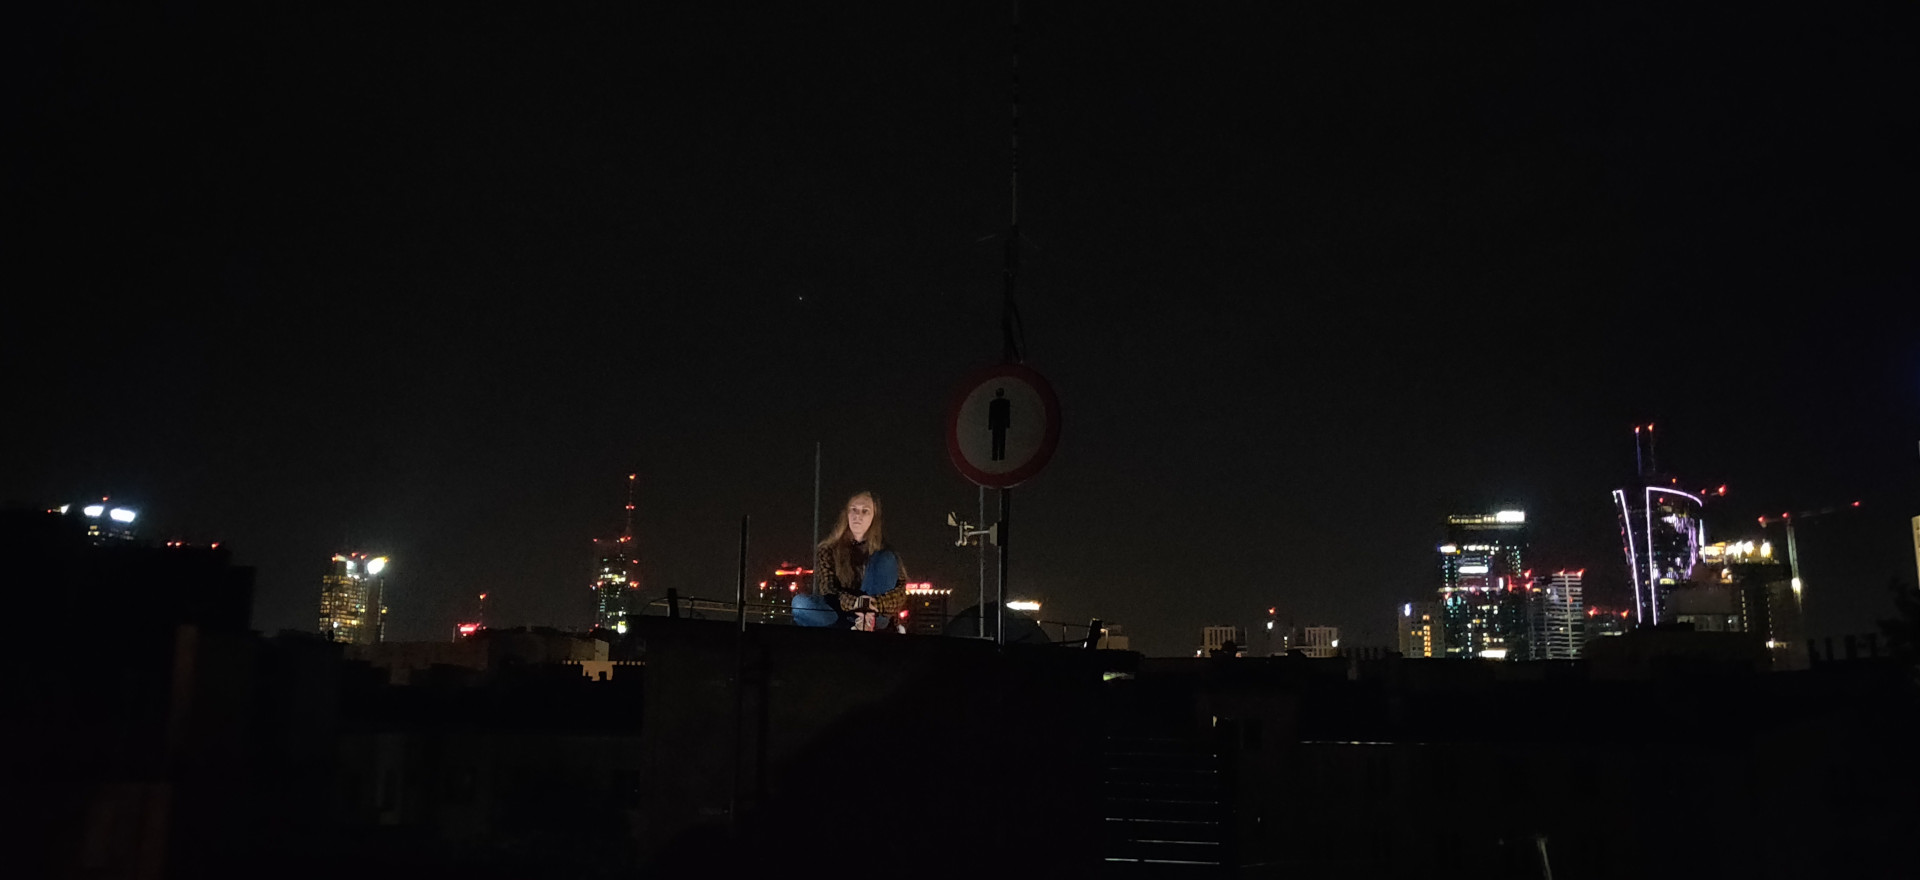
(1307, 278)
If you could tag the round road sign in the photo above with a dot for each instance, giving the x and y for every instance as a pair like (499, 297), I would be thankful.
(1002, 426)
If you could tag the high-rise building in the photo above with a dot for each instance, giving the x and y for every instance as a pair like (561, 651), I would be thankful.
(105, 521)
(926, 609)
(616, 580)
(1603, 622)
(1556, 617)
(1483, 585)
(1421, 631)
(1113, 637)
(1661, 533)
(1318, 641)
(1216, 638)
(1750, 589)
(774, 602)
(353, 599)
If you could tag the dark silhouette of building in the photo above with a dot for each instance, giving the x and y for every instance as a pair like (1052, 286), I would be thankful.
(927, 611)
(180, 745)
(128, 697)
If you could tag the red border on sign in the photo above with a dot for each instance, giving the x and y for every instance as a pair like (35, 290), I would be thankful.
(1048, 441)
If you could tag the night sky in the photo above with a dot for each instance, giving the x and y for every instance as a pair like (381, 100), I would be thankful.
(1307, 278)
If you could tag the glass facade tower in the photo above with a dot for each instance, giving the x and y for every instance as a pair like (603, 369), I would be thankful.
(1483, 585)
(1556, 616)
(1661, 533)
(353, 595)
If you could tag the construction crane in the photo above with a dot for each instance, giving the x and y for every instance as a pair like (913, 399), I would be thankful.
(1793, 553)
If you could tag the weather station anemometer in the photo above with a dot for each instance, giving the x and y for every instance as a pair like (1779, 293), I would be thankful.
(969, 536)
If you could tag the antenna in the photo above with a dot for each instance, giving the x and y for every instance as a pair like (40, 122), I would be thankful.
(1009, 312)
(628, 531)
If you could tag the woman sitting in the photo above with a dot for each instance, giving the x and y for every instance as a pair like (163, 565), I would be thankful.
(858, 583)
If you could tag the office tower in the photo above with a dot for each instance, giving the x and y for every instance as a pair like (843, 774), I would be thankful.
(1759, 598)
(353, 594)
(1603, 622)
(774, 602)
(1319, 642)
(1113, 637)
(1216, 638)
(616, 577)
(1556, 617)
(927, 609)
(105, 521)
(1661, 533)
(1421, 632)
(1483, 585)
(1707, 604)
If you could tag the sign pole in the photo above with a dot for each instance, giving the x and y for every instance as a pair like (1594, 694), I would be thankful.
(813, 551)
(740, 586)
(1000, 607)
(1002, 427)
(980, 551)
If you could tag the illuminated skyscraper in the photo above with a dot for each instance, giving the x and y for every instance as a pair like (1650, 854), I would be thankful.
(1556, 617)
(1421, 632)
(1756, 595)
(775, 601)
(105, 521)
(353, 596)
(616, 578)
(1661, 533)
(1483, 585)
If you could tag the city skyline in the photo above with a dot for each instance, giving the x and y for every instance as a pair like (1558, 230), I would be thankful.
(1303, 280)
(1460, 527)
(617, 591)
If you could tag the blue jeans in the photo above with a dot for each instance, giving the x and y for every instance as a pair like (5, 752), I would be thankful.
(883, 572)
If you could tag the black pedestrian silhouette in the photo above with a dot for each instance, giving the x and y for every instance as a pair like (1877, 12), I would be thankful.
(999, 417)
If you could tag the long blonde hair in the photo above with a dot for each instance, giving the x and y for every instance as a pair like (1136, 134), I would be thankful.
(840, 543)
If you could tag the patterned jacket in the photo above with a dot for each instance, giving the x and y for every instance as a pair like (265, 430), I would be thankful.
(889, 602)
